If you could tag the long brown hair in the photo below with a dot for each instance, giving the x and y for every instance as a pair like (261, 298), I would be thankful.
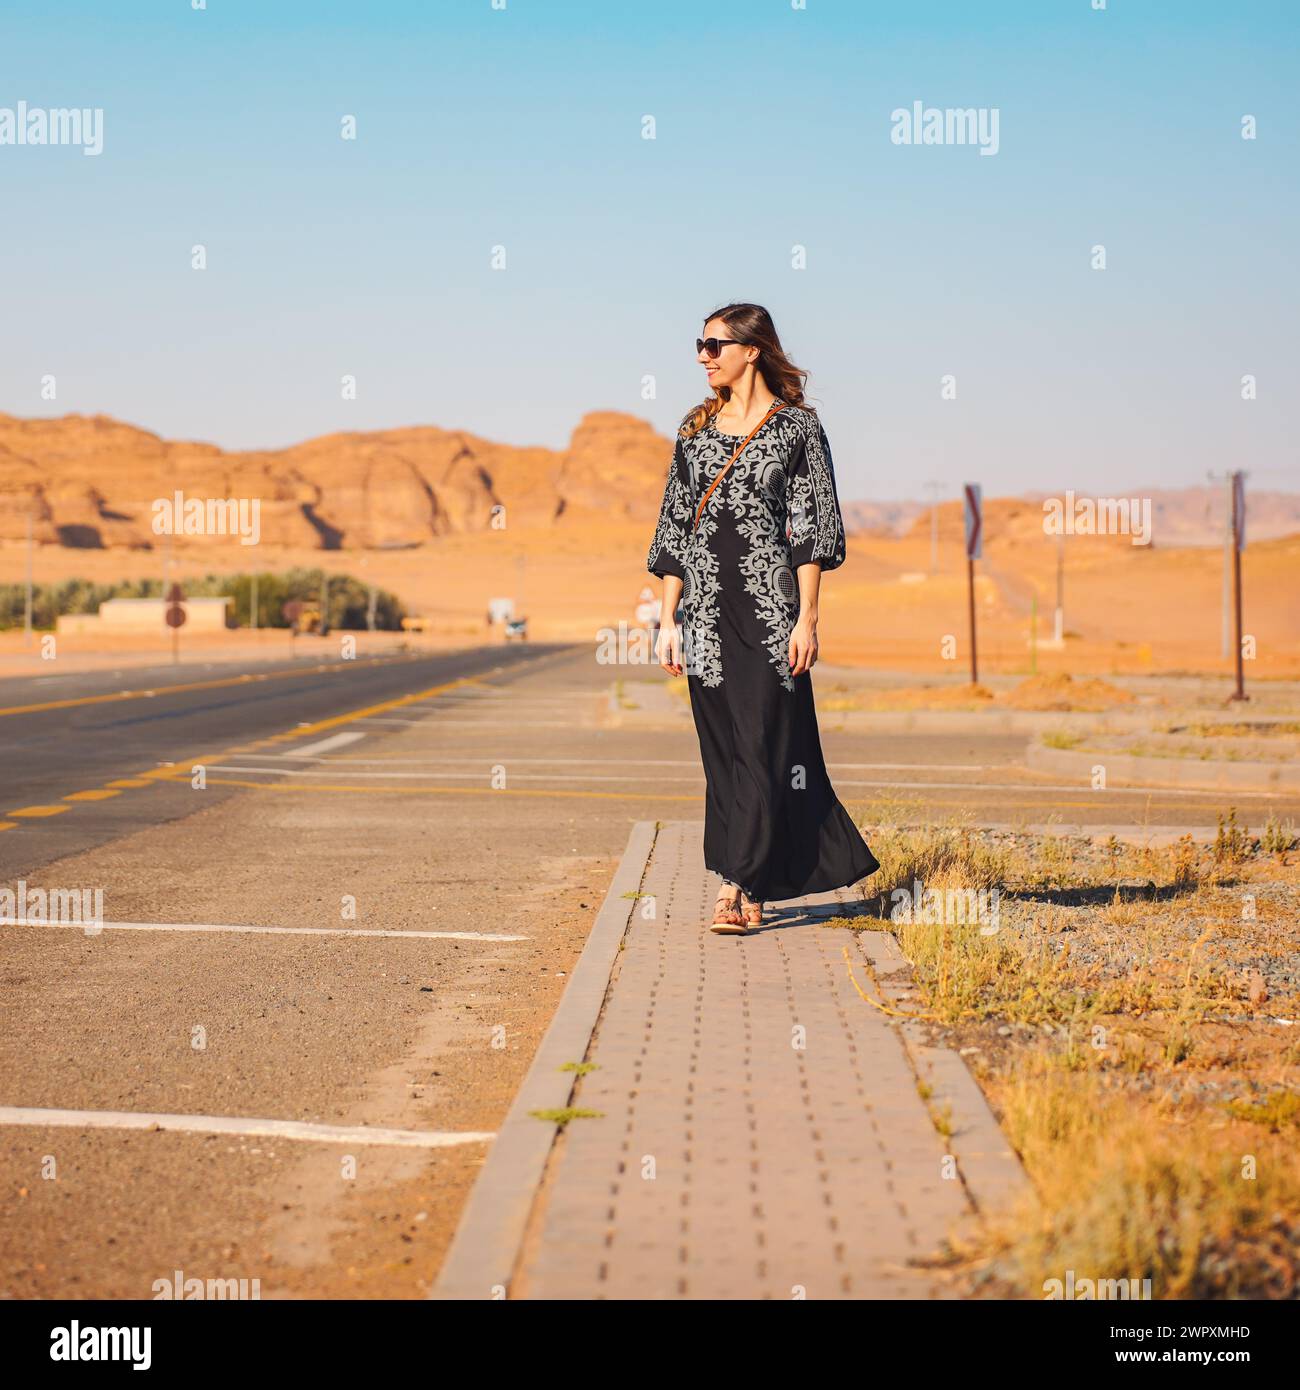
(752, 325)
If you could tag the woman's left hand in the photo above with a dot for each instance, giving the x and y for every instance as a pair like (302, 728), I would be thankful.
(803, 645)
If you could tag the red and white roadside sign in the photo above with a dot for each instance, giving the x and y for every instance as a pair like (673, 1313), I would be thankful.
(174, 614)
(974, 521)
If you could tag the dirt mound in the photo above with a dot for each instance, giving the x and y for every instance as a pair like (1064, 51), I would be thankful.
(1063, 693)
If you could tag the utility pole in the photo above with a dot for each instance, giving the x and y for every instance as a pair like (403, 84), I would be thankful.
(372, 597)
(1227, 559)
(1226, 623)
(1058, 631)
(1238, 515)
(167, 562)
(935, 489)
(252, 602)
(27, 611)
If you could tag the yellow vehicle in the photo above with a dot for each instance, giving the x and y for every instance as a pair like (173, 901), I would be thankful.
(305, 617)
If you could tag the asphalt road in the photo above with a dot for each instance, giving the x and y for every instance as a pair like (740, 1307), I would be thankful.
(66, 736)
(305, 945)
(366, 918)
(70, 746)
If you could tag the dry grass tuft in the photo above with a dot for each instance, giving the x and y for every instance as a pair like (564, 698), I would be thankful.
(1132, 1013)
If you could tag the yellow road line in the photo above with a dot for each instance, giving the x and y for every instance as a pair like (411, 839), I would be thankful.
(371, 710)
(596, 796)
(440, 791)
(8, 824)
(169, 773)
(248, 678)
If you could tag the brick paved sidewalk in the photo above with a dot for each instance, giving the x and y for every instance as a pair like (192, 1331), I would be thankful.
(762, 1130)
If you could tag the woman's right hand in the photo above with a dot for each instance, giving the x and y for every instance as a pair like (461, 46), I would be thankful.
(668, 648)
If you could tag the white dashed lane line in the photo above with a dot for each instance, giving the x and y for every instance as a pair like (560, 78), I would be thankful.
(326, 745)
(236, 1125)
(93, 927)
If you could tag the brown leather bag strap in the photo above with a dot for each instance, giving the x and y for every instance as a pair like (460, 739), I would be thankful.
(699, 511)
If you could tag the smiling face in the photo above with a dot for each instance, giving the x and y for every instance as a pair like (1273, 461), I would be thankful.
(729, 365)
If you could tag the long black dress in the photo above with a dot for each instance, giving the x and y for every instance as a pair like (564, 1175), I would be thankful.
(772, 822)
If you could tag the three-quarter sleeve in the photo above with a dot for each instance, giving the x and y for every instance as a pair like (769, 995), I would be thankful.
(672, 535)
(816, 523)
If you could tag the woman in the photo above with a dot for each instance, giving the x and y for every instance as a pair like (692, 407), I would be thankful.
(749, 521)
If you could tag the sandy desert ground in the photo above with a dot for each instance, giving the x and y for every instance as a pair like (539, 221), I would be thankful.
(1129, 610)
(447, 521)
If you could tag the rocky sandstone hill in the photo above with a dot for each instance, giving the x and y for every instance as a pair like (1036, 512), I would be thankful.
(90, 482)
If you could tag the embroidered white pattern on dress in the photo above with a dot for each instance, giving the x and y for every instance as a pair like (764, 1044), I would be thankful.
(818, 519)
(701, 646)
(778, 500)
(674, 517)
(769, 577)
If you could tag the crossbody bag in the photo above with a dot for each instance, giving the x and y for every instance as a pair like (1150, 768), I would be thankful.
(699, 511)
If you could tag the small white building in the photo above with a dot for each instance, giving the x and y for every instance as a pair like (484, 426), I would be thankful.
(146, 615)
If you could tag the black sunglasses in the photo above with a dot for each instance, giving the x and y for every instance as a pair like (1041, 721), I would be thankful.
(713, 346)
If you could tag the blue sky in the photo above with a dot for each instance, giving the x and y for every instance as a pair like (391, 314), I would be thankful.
(522, 128)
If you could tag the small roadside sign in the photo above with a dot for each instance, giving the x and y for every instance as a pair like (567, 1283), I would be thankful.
(974, 549)
(174, 617)
(974, 522)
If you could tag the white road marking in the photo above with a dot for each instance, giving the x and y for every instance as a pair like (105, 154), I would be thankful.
(252, 1128)
(1075, 787)
(647, 787)
(238, 767)
(270, 931)
(483, 761)
(919, 767)
(504, 699)
(439, 722)
(325, 745)
(338, 770)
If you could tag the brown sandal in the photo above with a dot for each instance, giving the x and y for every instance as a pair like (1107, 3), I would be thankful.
(752, 912)
(727, 920)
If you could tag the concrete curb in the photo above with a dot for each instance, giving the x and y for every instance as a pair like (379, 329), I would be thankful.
(482, 1258)
(1167, 772)
(1154, 836)
(984, 721)
(990, 1167)
(649, 705)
